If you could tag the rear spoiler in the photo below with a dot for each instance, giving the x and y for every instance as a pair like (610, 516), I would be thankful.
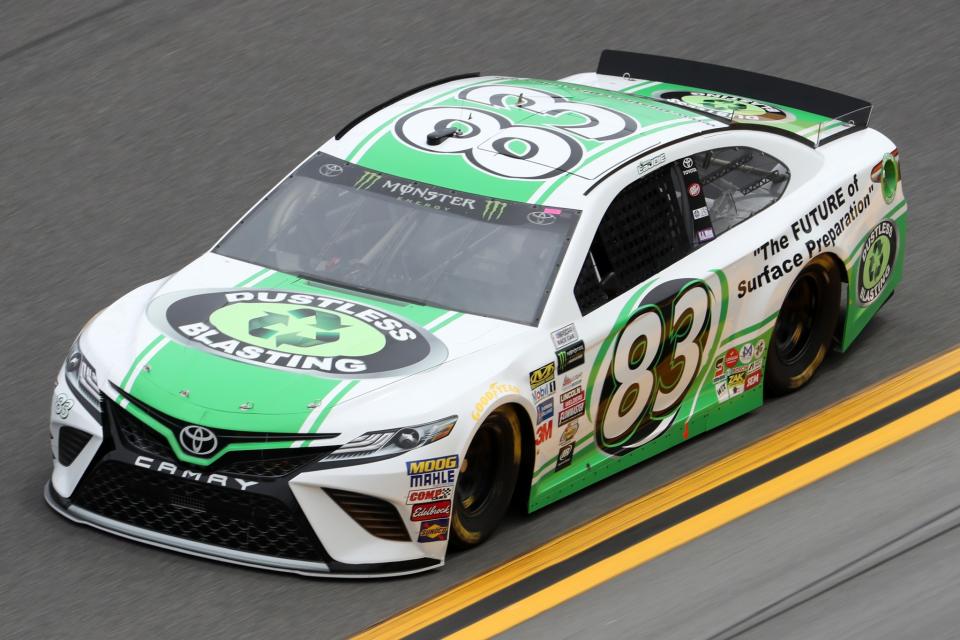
(830, 105)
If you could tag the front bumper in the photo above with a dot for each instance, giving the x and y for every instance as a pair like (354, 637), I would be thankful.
(287, 523)
(80, 515)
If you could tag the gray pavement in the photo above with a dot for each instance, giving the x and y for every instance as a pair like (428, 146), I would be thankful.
(699, 591)
(133, 133)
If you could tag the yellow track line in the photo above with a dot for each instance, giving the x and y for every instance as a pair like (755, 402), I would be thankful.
(711, 519)
(789, 439)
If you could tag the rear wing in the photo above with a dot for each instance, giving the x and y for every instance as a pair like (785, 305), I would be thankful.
(798, 110)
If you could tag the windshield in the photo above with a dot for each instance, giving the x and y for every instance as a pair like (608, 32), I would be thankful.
(340, 224)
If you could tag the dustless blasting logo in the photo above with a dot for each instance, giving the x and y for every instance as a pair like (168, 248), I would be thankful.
(306, 332)
(726, 105)
(876, 262)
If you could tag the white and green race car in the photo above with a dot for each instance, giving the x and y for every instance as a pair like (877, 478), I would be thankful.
(487, 290)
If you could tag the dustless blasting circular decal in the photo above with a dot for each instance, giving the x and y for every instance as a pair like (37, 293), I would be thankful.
(876, 261)
(725, 105)
(299, 331)
(651, 365)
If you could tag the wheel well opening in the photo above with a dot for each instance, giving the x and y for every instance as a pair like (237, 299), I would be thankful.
(842, 302)
(521, 492)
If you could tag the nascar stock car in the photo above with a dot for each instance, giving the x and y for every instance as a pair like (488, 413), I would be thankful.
(486, 290)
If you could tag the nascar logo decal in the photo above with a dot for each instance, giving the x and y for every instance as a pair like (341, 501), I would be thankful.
(300, 331)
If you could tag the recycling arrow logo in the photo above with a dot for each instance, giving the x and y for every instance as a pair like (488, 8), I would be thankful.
(302, 327)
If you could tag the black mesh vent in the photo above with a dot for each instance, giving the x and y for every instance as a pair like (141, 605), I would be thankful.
(377, 516)
(193, 511)
(642, 232)
(260, 463)
(72, 442)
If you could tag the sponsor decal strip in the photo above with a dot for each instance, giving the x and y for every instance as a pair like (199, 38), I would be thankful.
(442, 321)
(688, 507)
(752, 328)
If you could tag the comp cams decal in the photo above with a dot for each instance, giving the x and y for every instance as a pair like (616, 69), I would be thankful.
(651, 365)
(723, 104)
(304, 332)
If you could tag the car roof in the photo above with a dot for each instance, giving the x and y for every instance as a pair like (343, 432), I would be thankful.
(579, 131)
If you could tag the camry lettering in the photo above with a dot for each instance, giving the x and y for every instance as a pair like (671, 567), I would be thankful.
(162, 466)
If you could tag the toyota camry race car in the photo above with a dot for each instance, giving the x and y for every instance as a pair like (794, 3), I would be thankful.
(486, 290)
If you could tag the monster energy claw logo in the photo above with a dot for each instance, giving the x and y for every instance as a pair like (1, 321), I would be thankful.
(306, 332)
(367, 180)
(877, 258)
(493, 210)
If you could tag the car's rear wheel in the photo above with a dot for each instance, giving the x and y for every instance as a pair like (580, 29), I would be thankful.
(488, 475)
(805, 327)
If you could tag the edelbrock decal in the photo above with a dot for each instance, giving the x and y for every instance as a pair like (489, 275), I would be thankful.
(288, 330)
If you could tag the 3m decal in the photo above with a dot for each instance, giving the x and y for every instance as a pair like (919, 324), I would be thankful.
(542, 375)
(726, 105)
(877, 258)
(570, 357)
(492, 393)
(544, 432)
(430, 510)
(655, 359)
(299, 331)
(429, 495)
(545, 410)
(433, 472)
(434, 530)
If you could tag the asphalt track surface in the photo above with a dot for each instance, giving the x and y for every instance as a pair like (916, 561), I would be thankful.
(133, 133)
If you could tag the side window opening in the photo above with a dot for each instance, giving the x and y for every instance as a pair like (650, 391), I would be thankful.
(738, 183)
(642, 232)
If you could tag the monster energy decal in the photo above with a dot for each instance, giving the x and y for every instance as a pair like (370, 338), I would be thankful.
(298, 331)
(329, 169)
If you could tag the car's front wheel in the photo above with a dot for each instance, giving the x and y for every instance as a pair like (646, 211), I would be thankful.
(488, 475)
(805, 326)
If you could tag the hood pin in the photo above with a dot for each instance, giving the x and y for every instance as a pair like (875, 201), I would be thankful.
(246, 406)
(185, 393)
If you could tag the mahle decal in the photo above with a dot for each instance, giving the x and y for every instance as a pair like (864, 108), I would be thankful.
(651, 365)
(299, 331)
(723, 104)
(876, 262)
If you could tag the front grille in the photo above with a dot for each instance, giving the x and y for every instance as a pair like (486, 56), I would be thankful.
(377, 516)
(199, 512)
(258, 463)
(72, 441)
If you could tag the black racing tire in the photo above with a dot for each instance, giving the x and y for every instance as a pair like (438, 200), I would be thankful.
(805, 327)
(487, 479)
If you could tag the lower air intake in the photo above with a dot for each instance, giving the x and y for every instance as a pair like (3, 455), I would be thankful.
(377, 516)
(72, 441)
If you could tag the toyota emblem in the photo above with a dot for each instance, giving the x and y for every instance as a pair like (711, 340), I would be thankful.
(540, 217)
(198, 440)
(331, 170)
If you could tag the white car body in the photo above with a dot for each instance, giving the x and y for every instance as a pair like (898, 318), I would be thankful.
(489, 362)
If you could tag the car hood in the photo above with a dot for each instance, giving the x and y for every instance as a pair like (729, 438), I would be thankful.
(227, 344)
